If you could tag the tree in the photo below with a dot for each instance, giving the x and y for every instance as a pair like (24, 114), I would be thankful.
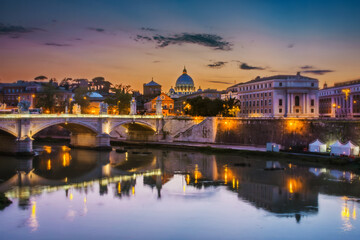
(230, 107)
(203, 106)
(46, 97)
(81, 98)
(120, 98)
(40, 78)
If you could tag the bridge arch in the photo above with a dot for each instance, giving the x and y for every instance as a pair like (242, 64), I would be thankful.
(136, 130)
(127, 123)
(6, 131)
(74, 127)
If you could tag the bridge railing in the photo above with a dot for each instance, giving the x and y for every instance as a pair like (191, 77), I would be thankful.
(22, 115)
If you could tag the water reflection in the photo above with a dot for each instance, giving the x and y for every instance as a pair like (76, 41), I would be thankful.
(282, 190)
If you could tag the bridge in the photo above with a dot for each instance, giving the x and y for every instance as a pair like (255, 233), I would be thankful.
(88, 130)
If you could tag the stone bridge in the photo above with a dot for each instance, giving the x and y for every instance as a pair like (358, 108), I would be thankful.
(87, 130)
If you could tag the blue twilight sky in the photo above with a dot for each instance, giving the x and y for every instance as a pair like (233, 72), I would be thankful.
(220, 42)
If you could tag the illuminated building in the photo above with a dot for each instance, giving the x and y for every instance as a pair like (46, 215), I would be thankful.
(276, 96)
(184, 86)
(166, 102)
(340, 101)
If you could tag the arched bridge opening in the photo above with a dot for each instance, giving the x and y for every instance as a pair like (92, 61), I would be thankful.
(134, 131)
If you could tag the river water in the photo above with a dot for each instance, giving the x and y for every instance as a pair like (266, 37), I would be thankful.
(165, 194)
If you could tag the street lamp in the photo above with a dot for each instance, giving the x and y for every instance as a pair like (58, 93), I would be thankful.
(118, 104)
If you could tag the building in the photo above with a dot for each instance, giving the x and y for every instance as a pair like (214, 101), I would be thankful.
(340, 101)
(277, 96)
(167, 104)
(152, 89)
(207, 93)
(13, 92)
(184, 86)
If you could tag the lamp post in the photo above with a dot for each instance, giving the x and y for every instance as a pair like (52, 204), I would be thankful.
(118, 104)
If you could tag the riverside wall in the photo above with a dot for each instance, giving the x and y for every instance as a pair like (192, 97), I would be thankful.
(295, 133)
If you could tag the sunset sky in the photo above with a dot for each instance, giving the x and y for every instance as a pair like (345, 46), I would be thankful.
(219, 42)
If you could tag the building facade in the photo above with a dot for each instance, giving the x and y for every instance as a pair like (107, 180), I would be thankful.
(167, 104)
(340, 101)
(277, 96)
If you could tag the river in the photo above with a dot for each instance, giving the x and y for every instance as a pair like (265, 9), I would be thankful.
(146, 193)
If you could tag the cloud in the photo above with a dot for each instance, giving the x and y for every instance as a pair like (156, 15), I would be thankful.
(307, 67)
(218, 64)
(12, 30)
(100, 30)
(148, 29)
(156, 61)
(207, 40)
(221, 82)
(57, 44)
(245, 66)
(143, 38)
(318, 72)
(291, 45)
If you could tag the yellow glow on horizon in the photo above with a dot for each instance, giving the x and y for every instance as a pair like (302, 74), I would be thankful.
(133, 190)
(71, 196)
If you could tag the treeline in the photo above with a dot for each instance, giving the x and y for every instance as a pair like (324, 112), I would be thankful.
(211, 107)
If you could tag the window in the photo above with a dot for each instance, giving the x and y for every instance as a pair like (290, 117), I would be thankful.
(269, 84)
(257, 103)
(261, 102)
(265, 110)
(270, 110)
(257, 110)
(297, 110)
(297, 101)
(280, 110)
(261, 111)
(170, 106)
(312, 102)
(265, 94)
(280, 102)
(265, 102)
(257, 95)
(312, 110)
(270, 94)
(269, 102)
(312, 84)
(280, 84)
(154, 106)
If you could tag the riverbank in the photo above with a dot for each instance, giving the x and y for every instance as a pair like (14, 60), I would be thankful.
(304, 159)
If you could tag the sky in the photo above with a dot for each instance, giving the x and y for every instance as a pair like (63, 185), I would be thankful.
(219, 42)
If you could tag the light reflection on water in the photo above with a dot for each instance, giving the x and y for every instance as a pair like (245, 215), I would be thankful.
(68, 193)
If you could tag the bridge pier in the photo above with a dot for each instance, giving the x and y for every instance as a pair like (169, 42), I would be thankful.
(91, 141)
(24, 146)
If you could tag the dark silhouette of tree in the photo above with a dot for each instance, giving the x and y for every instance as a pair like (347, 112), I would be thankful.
(81, 98)
(46, 97)
(40, 78)
(120, 98)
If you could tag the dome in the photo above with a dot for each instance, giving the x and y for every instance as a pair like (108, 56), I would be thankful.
(184, 79)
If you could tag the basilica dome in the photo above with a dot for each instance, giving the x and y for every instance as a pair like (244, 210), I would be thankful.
(184, 79)
(184, 84)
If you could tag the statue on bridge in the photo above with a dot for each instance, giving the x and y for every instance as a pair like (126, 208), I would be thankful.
(103, 108)
(76, 109)
(159, 106)
(24, 106)
(2, 106)
(133, 106)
